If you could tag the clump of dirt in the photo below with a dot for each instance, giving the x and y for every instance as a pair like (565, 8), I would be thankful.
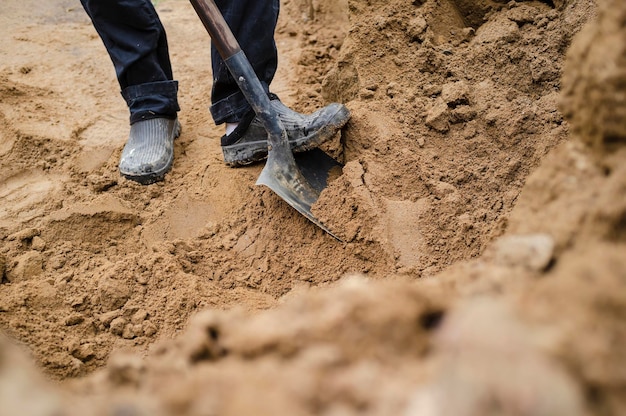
(448, 121)
(481, 266)
(597, 71)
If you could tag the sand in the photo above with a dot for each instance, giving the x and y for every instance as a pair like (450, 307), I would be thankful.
(481, 211)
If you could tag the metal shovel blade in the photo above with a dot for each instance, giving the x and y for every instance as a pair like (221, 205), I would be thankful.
(299, 184)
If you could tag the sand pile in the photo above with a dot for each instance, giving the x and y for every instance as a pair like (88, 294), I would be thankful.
(481, 207)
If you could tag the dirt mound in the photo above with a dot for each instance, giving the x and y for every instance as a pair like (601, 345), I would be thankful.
(596, 73)
(481, 269)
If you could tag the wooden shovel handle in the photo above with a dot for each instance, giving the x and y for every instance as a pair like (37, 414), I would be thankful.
(218, 29)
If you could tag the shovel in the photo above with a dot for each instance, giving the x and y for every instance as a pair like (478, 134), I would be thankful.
(299, 188)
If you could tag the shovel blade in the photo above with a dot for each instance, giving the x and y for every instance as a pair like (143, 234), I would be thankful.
(299, 184)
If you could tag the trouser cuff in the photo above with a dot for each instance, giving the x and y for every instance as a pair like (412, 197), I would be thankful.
(152, 100)
(232, 108)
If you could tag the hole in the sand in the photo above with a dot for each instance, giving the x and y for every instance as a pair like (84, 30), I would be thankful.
(594, 394)
(548, 2)
(213, 333)
(618, 230)
(431, 320)
(550, 265)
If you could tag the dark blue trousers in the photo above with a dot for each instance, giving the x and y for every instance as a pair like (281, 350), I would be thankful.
(137, 44)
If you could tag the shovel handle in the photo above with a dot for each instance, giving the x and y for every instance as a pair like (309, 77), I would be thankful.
(218, 29)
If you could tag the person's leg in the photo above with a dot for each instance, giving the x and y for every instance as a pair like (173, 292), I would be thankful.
(136, 42)
(253, 23)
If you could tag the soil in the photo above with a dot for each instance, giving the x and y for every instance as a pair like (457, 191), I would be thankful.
(481, 215)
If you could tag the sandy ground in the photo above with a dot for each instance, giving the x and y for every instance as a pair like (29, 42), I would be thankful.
(482, 208)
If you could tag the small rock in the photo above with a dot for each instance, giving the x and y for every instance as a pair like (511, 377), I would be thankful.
(125, 368)
(137, 330)
(522, 14)
(64, 279)
(38, 244)
(462, 114)
(113, 293)
(84, 352)
(230, 240)
(76, 365)
(432, 90)
(117, 326)
(490, 361)
(149, 329)
(74, 319)
(455, 94)
(365, 94)
(57, 262)
(101, 183)
(23, 235)
(497, 30)
(248, 242)
(533, 252)
(544, 69)
(467, 33)
(128, 332)
(441, 189)
(438, 117)
(78, 301)
(416, 28)
(392, 89)
(107, 318)
(139, 316)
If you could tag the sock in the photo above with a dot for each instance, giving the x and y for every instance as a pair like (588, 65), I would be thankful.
(230, 127)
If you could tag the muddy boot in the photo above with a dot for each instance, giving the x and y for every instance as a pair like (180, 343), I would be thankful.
(248, 142)
(149, 152)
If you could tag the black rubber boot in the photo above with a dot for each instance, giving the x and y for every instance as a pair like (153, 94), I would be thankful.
(149, 152)
(248, 142)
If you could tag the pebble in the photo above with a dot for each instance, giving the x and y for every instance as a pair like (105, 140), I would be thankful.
(84, 352)
(107, 318)
(139, 316)
(438, 117)
(149, 329)
(38, 244)
(117, 326)
(533, 252)
(26, 234)
(74, 320)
